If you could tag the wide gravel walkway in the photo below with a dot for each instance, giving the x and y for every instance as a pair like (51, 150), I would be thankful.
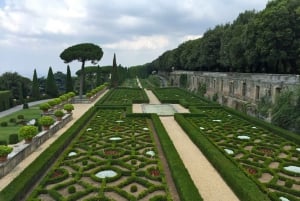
(210, 184)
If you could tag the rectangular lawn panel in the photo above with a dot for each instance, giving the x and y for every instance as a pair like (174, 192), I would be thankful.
(177, 95)
(124, 96)
(114, 157)
(265, 157)
(13, 127)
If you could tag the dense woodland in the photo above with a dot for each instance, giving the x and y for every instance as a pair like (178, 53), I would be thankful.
(256, 42)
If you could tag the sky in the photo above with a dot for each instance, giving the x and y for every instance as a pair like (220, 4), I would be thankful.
(35, 32)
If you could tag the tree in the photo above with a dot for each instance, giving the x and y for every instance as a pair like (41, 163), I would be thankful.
(69, 82)
(35, 92)
(98, 76)
(51, 88)
(114, 73)
(82, 52)
(18, 85)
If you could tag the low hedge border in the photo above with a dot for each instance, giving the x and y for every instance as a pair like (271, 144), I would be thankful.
(244, 187)
(184, 184)
(19, 187)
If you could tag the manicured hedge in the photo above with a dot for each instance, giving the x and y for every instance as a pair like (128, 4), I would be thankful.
(4, 100)
(19, 187)
(245, 188)
(268, 126)
(177, 95)
(184, 184)
(124, 96)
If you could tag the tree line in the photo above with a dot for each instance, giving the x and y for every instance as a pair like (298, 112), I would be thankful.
(255, 42)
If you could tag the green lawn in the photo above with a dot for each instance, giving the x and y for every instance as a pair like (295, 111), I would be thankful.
(31, 113)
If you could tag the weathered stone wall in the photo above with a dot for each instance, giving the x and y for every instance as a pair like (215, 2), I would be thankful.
(237, 89)
(22, 150)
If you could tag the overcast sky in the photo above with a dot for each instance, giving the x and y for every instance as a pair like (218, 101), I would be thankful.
(35, 32)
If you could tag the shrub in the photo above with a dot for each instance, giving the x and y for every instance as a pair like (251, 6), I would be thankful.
(52, 102)
(57, 101)
(12, 120)
(20, 116)
(88, 95)
(71, 94)
(44, 106)
(133, 188)
(13, 139)
(27, 132)
(46, 121)
(289, 183)
(5, 150)
(25, 105)
(63, 97)
(4, 124)
(3, 142)
(72, 189)
(68, 107)
(159, 198)
(133, 162)
(59, 113)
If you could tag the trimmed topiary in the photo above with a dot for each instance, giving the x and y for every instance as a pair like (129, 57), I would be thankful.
(133, 188)
(72, 189)
(68, 107)
(4, 124)
(12, 120)
(13, 139)
(45, 107)
(20, 116)
(46, 121)
(28, 132)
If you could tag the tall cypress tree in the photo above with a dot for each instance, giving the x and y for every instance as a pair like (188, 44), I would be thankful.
(51, 88)
(114, 73)
(98, 78)
(69, 82)
(35, 91)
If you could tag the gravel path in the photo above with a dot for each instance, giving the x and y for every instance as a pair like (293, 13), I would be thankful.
(210, 184)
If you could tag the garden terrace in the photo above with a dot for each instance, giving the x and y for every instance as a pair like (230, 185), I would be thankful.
(124, 96)
(267, 158)
(113, 157)
(177, 95)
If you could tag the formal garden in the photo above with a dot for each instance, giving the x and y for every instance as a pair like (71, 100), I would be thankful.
(113, 157)
(177, 95)
(111, 154)
(267, 156)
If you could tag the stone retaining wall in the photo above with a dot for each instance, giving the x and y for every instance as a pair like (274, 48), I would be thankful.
(22, 150)
(236, 89)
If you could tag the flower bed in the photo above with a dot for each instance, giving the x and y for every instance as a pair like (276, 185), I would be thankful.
(108, 166)
(254, 149)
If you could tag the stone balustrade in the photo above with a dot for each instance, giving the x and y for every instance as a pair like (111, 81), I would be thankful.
(22, 150)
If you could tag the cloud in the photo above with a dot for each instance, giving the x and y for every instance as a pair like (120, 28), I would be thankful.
(36, 31)
(140, 43)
